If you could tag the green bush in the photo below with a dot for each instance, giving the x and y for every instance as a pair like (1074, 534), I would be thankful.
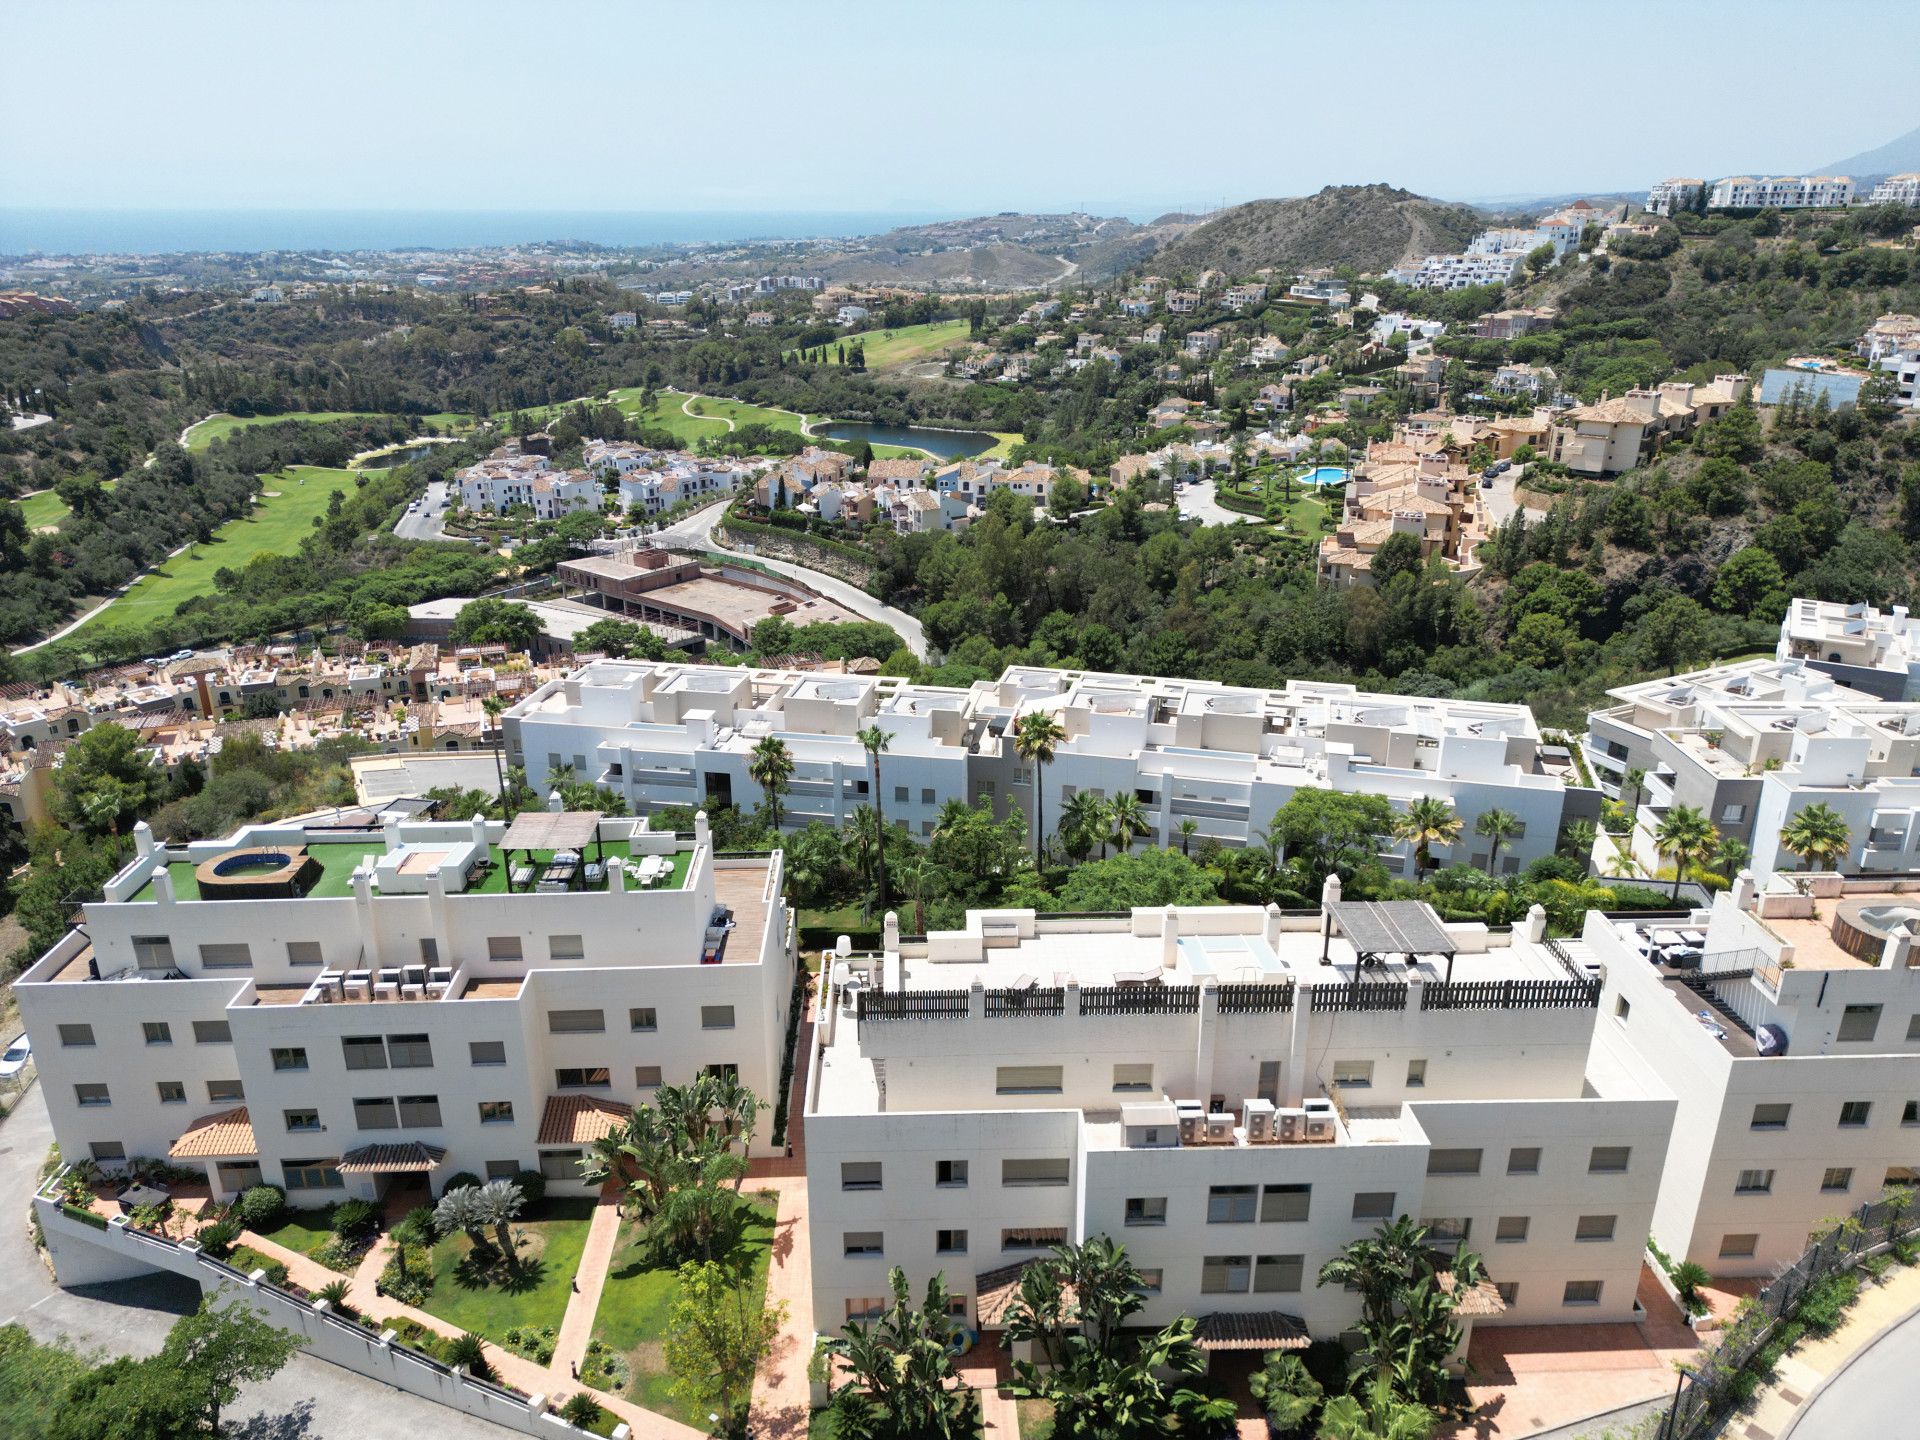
(533, 1185)
(413, 1287)
(247, 1260)
(467, 1350)
(581, 1411)
(536, 1344)
(354, 1218)
(218, 1238)
(260, 1207)
(462, 1180)
(1826, 1302)
(416, 1228)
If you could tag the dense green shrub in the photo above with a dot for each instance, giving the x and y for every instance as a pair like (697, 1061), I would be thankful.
(533, 1185)
(461, 1180)
(261, 1207)
(354, 1218)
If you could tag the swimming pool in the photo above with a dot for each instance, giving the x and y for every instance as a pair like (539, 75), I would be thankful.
(1325, 475)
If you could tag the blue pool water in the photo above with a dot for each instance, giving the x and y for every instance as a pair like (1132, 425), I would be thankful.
(1325, 475)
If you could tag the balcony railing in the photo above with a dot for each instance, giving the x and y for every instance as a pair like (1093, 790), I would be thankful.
(1360, 995)
(910, 1005)
(1028, 1000)
(1258, 998)
(1140, 1000)
(1510, 995)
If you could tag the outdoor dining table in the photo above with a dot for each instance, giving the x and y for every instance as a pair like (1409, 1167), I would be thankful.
(134, 1196)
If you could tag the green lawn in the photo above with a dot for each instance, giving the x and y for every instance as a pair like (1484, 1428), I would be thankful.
(549, 1249)
(219, 427)
(890, 349)
(290, 502)
(307, 1231)
(639, 1297)
(47, 510)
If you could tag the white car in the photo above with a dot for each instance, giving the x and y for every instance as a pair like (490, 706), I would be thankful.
(18, 1052)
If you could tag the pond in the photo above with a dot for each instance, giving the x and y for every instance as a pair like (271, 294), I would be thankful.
(941, 444)
(395, 457)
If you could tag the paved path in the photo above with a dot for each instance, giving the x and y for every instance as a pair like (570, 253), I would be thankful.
(1198, 500)
(1878, 1393)
(429, 522)
(1872, 1386)
(603, 1235)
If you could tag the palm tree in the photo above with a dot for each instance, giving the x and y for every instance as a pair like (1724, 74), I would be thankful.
(863, 834)
(1686, 837)
(1286, 1390)
(495, 708)
(1580, 837)
(1382, 1415)
(459, 1210)
(1631, 784)
(955, 814)
(770, 766)
(1035, 737)
(876, 742)
(1186, 830)
(1378, 1267)
(1498, 826)
(1128, 817)
(1430, 820)
(1082, 819)
(496, 1203)
(1819, 835)
(1730, 855)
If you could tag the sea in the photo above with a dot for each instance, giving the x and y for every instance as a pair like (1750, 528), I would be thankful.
(160, 232)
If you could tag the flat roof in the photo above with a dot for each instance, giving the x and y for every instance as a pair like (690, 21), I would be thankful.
(1392, 927)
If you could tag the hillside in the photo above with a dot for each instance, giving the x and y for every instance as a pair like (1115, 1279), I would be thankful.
(1368, 226)
(1896, 157)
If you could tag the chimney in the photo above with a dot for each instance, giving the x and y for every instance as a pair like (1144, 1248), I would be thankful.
(702, 831)
(1534, 928)
(142, 839)
(1170, 939)
(889, 934)
(1329, 897)
(1746, 890)
(1272, 928)
(1897, 953)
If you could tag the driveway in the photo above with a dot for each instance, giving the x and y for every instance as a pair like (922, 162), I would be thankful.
(1199, 500)
(309, 1400)
(1499, 501)
(429, 522)
(1875, 1392)
(696, 532)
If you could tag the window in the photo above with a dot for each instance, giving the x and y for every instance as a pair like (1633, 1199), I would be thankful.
(1146, 1210)
(1354, 1074)
(1854, 1113)
(303, 952)
(92, 1095)
(1902, 1175)
(212, 1032)
(1732, 813)
(1231, 1204)
(311, 1175)
(1275, 1273)
(502, 1169)
(1770, 1117)
(1373, 1204)
(289, 1057)
(566, 947)
(1150, 1281)
(1609, 1159)
(157, 1032)
(1859, 1022)
(646, 1076)
(1594, 1227)
(643, 1017)
(1453, 1162)
(560, 1164)
(1913, 1027)
(582, 1077)
(75, 1036)
(950, 1242)
(722, 1070)
(1416, 1074)
(487, 1052)
(952, 1173)
(1838, 1178)
(900, 794)
(1523, 1160)
(173, 1092)
(859, 1174)
(1033, 1172)
(503, 947)
(1027, 1080)
(226, 957)
(424, 1111)
(225, 1092)
(364, 1052)
(1581, 1292)
(576, 1022)
(1286, 1202)
(409, 1052)
(1622, 1008)
(1508, 1290)
(862, 1242)
(107, 1151)
(1754, 1182)
(862, 1311)
(300, 1120)
(1132, 1077)
(1226, 1274)
(1739, 1247)
(1511, 1230)
(376, 1114)
(716, 1017)
(1448, 1229)
(153, 952)
(1033, 1237)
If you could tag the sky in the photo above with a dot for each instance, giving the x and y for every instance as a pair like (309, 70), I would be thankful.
(937, 106)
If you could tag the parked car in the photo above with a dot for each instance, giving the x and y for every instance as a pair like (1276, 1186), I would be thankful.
(14, 1059)
(1486, 482)
(1502, 466)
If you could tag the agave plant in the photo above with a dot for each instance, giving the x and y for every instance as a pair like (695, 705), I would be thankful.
(496, 1203)
(460, 1210)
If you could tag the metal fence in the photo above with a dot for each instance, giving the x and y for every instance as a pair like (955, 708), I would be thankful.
(1510, 995)
(1140, 1000)
(1361, 995)
(1710, 1390)
(1027, 1000)
(1260, 997)
(910, 1005)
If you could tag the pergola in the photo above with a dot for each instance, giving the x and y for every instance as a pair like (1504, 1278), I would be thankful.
(1378, 928)
(551, 830)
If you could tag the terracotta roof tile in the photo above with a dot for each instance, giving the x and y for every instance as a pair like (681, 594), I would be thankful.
(580, 1119)
(226, 1135)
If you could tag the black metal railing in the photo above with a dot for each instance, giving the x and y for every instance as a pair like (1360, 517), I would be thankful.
(910, 1005)
(1360, 995)
(1510, 995)
(1257, 998)
(1140, 1000)
(1028, 1000)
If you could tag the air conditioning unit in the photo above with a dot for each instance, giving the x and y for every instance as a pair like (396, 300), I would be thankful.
(1220, 1129)
(1257, 1116)
(1290, 1126)
(1318, 1124)
(1193, 1122)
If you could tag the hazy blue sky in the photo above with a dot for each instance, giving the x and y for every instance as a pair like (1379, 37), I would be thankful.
(918, 105)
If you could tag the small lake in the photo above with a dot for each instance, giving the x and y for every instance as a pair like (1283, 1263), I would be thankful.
(395, 457)
(941, 444)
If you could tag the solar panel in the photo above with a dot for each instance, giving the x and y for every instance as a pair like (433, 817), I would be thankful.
(1392, 927)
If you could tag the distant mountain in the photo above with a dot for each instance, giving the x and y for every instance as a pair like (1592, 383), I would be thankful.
(1896, 157)
(1544, 204)
(1367, 226)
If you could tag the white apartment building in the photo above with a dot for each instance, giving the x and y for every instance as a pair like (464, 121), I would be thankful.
(1892, 344)
(667, 734)
(1792, 1041)
(1234, 1094)
(1862, 647)
(1457, 272)
(1679, 193)
(1897, 190)
(1781, 192)
(341, 1014)
(1752, 745)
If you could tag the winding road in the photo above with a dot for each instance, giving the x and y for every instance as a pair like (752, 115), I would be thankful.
(1876, 1394)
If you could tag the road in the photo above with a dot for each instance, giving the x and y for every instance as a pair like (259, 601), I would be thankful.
(1199, 501)
(429, 522)
(696, 532)
(1500, 501)
(1878, 1393)
(309, 1400)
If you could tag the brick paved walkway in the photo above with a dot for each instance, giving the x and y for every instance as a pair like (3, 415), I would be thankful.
(603, 1235)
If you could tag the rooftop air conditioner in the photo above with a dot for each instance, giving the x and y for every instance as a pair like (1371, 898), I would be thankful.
(1257, 1115)
(1193, 1122)
(1219, 1129)
(1290, 1126)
